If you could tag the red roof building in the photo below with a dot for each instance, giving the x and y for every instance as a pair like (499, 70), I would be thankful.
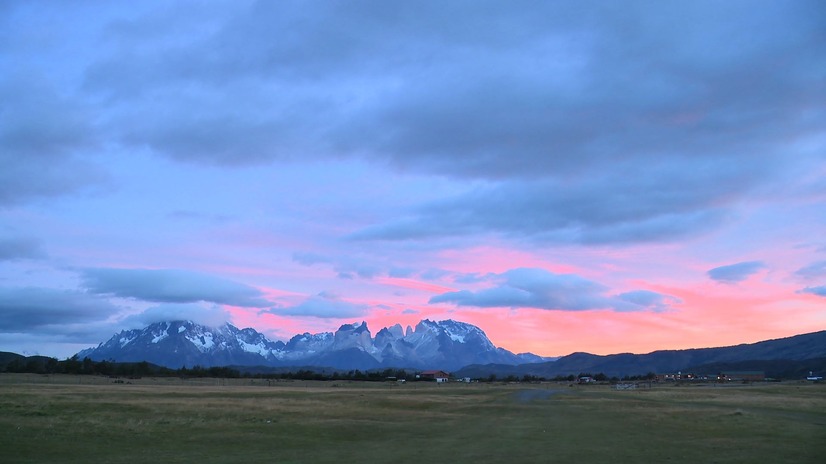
(438, 376)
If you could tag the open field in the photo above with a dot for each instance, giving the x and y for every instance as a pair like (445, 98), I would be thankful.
(90, 419)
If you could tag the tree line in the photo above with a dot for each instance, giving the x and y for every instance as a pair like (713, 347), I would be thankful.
(599, 377)
(86, 366)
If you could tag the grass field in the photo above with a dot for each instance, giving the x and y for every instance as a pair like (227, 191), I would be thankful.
(84, 419)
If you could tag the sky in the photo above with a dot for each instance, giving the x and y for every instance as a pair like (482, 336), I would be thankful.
(567, 175)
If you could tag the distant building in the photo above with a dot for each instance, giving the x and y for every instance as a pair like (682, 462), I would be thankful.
(728, 376)
(743, 376)
(438, 376)
(674, 377)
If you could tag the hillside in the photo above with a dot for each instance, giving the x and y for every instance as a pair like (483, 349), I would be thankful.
(792, 349)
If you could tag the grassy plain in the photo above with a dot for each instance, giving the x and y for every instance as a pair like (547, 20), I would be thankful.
(85, 419)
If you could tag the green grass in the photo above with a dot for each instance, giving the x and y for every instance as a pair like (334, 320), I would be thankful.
(66, 419)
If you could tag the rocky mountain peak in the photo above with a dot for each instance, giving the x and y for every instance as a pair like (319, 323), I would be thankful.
(431, 345)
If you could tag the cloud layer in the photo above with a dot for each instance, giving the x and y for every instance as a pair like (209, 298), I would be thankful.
(18, 247)
(32, 309)
(813, 271)
(208, 315)
(541, 289)
(323, 305)
(734, 273)
(170, 286)
(819, 291)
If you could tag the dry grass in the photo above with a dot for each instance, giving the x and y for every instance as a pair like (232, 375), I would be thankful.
(67, 419)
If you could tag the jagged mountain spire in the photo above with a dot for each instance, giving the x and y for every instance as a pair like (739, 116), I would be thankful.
(432, 344)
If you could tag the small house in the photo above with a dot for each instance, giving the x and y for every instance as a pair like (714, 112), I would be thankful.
(438, 376)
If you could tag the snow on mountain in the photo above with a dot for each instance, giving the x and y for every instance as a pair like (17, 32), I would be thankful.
(529, 358)
(446, 345)
(184, 343)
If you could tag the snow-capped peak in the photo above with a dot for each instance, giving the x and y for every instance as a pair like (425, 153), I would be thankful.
(432, 344)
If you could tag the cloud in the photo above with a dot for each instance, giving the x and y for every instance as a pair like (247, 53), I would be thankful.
(208, 315)
(401, 272)
(472, 278)
(33, 308)
(660, 203)
(468, 98)
(538, 288)
(170, 286)
(812, 271)
(309, 259)
(16, 247)
(601, 128)
(434, 274)
(323, 305)
(42, 135)
(819, 291)
(646, 300)
(734, 273)
(346, 268)
(365, 271)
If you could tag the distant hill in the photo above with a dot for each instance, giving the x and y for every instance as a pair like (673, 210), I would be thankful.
(789, 350)
(14, 361)
(7, 357)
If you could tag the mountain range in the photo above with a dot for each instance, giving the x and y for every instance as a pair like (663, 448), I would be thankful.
(446, 345)
(453, 346)
(784, 357)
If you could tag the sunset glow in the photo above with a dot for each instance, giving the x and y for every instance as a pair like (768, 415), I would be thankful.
(622, 177)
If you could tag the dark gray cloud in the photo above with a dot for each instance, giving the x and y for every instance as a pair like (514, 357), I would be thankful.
(812, 271)
(323, 305)
(476, 89)
(734, 273)
(33, 308)
(584, 123)
(170, 286)
(538, 288)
